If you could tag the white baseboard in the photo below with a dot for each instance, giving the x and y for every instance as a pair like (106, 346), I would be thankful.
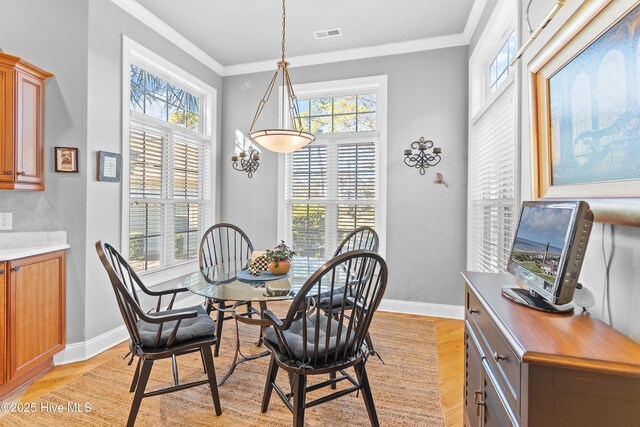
(422, 308)
(80, 351)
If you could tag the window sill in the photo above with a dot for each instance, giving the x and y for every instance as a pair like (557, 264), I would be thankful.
(493, 97)
(157, 277)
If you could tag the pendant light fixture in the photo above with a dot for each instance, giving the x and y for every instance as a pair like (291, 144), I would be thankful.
(282, 140)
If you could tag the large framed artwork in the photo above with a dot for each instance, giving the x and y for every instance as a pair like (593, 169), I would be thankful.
(585, 112)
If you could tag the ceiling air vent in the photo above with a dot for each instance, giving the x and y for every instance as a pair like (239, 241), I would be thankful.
(323, 34)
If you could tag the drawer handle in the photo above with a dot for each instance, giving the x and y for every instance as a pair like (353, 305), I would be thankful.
(498, 357)
(473, 310)
(9, 172)
(16, 268)
(479, 403)
(1, 271)
(22, 173)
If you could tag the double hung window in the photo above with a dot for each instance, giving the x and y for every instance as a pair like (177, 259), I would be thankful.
(333, 185)
(169, 172)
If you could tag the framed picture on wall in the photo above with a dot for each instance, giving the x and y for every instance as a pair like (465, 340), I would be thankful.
(109, 166)
(66, 159)
(586, 111)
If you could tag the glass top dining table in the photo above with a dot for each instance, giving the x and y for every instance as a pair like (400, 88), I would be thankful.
(220, 282)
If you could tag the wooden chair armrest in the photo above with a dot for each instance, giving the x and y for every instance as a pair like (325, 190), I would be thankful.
(161, 318)
(274, 320)
(165, 292)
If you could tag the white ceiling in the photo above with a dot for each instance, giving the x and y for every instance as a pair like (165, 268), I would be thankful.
(244, 31)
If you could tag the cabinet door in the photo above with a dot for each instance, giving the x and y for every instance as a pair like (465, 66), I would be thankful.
(36, 311)
(3, 324)
(472, 379)
(6, 124)
(29, 146)
(494, 413)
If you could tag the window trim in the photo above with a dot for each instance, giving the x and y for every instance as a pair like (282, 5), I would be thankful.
(133, 52)
(502, 22)
(500, 25)
(375, 84)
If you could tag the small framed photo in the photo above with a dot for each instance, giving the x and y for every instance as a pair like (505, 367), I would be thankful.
(66, 159)
(109, 166)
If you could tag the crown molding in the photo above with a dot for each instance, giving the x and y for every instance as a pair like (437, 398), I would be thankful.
(474, 19)
(452, 40)
(410, 46)
(143, 14)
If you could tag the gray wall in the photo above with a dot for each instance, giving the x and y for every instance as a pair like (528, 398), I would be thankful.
(426, 223)
(81, 43)
(624, 241)
(107, 23)
(53, 36)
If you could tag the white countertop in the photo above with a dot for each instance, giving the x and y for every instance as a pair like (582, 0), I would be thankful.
(21, 244)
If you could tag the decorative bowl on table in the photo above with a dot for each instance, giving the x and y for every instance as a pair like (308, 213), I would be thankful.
(280, 258)
(282, 267)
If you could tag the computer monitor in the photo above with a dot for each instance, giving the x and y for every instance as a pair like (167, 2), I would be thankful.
(547, 253)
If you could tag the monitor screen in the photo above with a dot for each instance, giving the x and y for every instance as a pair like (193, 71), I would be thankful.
(545, 249)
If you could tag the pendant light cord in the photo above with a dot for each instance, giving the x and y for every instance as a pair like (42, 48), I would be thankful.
(284, 31)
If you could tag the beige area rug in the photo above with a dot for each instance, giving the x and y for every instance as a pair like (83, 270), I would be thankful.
(405, 390)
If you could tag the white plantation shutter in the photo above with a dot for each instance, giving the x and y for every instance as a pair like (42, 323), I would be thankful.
(169, 194)
(331, 187)
(492, 181)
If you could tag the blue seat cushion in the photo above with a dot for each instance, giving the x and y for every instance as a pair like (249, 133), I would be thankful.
(196, 327)
(336, 303)
(296, 341)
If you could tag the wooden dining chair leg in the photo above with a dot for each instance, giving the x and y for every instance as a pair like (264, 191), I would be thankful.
(136, 375)
(219, 322)
(204, 365)
(299, 391)
(361, 373)
(147, 364)
(174, 364)
(268, 387)
(332, 376)
(207, 359)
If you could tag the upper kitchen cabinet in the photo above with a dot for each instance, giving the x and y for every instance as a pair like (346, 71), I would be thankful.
(21, 124)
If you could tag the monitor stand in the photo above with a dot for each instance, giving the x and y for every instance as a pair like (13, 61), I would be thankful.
(531, 299)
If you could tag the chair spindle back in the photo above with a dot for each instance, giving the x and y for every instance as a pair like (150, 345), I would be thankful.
(124, 281)
(364, 238)
(224, 243)
(332, 280)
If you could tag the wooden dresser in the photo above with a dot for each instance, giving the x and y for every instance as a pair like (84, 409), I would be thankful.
(528, 368)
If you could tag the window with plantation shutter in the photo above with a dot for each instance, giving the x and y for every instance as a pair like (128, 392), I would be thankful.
(331, 187)
(169, 172)
(492, 183)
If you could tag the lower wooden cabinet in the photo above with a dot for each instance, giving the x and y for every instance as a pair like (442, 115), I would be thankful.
(33, 330)
(482, 404)
(532, 369)
(3, 324)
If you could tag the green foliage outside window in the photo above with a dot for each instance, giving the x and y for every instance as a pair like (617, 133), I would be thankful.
(154, 96)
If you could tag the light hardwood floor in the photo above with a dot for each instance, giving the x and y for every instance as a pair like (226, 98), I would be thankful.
(450, 355)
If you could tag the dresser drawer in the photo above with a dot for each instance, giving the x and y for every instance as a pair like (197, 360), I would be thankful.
(501, 359)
